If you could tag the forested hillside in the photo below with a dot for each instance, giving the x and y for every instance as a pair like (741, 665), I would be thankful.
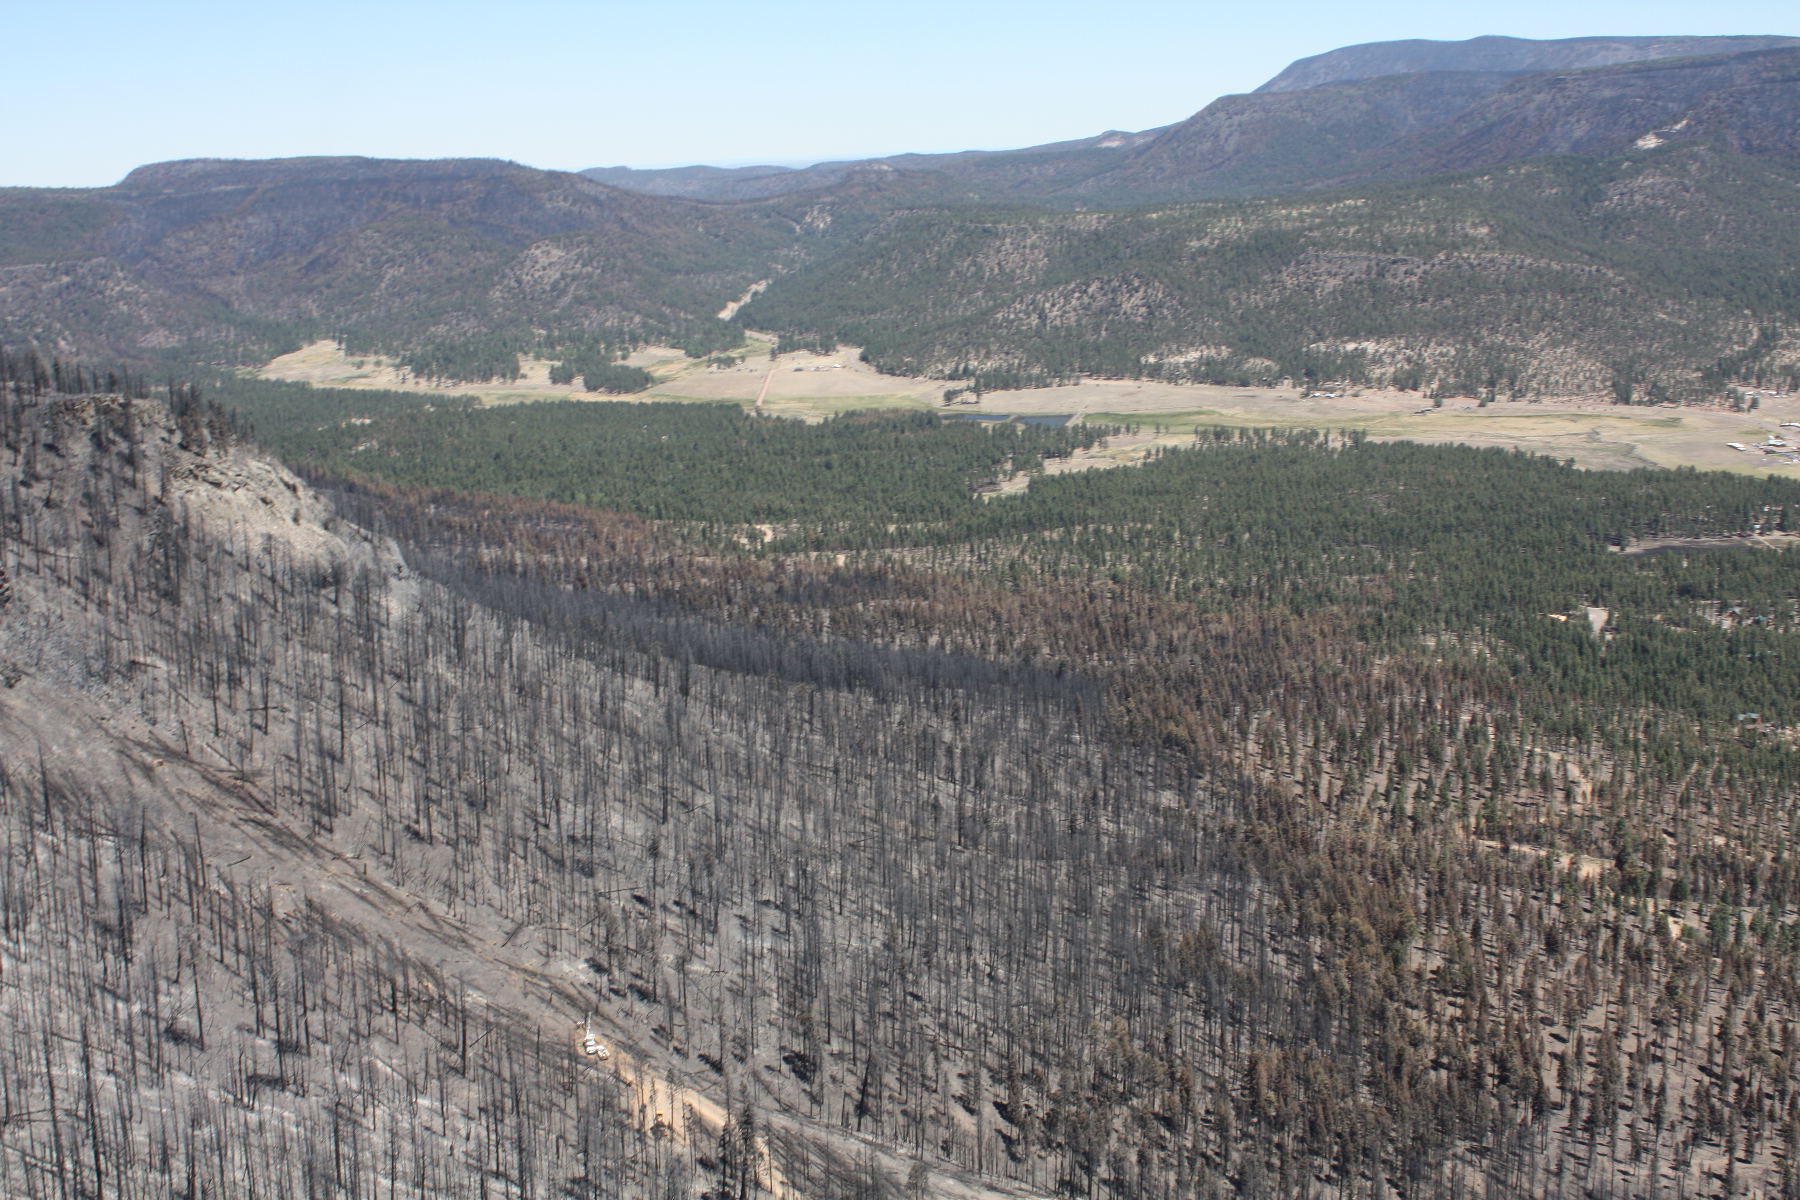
(457, 265)
(1248, 824)
(1654, 277)
(1648, 261)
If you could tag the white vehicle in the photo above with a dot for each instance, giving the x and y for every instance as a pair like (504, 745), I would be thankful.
(592, 1046)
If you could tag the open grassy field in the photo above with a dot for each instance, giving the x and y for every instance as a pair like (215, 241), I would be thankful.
(324, 364)
(812, 386)
(1592, 433)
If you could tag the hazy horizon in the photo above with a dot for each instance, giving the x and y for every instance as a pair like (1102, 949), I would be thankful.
(567, 86)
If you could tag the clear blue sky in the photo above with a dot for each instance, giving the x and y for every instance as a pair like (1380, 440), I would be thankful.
(92, 88)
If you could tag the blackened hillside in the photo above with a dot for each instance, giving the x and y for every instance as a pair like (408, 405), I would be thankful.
(1058, 850)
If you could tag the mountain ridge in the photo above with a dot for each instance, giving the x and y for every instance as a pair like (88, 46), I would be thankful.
(1505, 54)
(1277, 137)
(461, 266)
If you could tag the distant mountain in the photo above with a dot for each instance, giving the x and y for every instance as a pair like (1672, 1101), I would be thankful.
(960, 175)
(1396, 127)
(698, 183)
(1386, 109)
(1503, 54)
(1266, 143)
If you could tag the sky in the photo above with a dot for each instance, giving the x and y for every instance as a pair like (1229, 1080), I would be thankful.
(93, 88)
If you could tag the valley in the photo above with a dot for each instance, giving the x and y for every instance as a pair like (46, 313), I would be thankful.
(805, 385)
(1252, 658)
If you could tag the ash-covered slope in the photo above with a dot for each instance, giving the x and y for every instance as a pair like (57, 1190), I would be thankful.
(209, 982)
(315, 873)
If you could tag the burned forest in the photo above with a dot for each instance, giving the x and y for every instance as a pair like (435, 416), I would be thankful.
(1287, 844)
